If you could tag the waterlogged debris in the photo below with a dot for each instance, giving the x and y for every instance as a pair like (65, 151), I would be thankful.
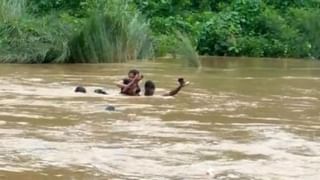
(210, 172)
(100, 91)
(110, 108)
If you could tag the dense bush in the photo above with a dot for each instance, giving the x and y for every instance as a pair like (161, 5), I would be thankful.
(270, 28)
(110, 31)
(41, 7)
(112, 38)
(26, 39)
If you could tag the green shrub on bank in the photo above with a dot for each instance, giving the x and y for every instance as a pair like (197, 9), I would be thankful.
(43, 7)
(307, 24)
(219, 34)
(252, 28)
(113, 34)
(44, 31)
(186, 51)
(27, 39)
(164, 45)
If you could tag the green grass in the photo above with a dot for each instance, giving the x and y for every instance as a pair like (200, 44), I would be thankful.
(113, 33)
(12, 10)
(186, 51)
(28, 39)
(112, 38)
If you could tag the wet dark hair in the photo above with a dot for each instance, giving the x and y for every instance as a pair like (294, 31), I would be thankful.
(134, 72)
(80, 89)
(181, 80)
(149, 88)
(149, 85)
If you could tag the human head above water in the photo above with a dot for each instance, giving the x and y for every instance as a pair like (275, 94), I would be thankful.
(132, 73)
(149, 88)
(80, 89)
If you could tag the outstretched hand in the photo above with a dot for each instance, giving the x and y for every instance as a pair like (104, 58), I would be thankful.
(182, 82)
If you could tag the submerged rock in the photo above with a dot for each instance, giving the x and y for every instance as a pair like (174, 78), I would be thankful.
(110, 108)
(80, 89)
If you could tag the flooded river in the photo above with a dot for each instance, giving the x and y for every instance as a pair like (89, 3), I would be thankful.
(238, 119)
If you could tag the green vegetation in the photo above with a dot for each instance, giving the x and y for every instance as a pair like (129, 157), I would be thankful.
(186, 51)
(90, 31)
(29, 39)
(112, 34)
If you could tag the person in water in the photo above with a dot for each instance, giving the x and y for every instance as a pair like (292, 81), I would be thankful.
(130, 86)
(80, 89)
(149, 87)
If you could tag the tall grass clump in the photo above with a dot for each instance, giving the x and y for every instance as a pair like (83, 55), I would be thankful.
(11, 10)
(28, 39)
(112, 31)
(115, 32)
(186, 51)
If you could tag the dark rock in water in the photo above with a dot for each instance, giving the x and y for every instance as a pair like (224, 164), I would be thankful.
(80, 89)
(100, 91)
(110, 108)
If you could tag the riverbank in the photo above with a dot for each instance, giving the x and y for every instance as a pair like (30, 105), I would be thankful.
(116, 31)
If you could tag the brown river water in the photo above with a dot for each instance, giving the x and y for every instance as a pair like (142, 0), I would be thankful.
(238, 119)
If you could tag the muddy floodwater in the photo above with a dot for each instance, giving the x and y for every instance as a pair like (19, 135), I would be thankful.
(238, 119)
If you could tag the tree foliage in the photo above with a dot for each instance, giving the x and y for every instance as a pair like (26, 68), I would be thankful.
(40, 31)
(272, 28)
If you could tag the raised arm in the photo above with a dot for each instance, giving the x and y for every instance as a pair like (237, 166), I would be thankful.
(132, 83)
(175, 91)
(125, 83)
